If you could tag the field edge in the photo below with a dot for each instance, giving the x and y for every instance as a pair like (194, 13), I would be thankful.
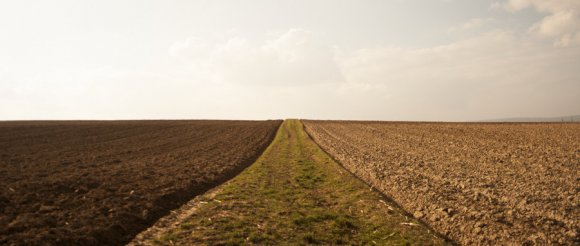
(385, 196)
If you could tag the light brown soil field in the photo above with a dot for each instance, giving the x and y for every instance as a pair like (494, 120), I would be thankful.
(476, 183)
(101, 183)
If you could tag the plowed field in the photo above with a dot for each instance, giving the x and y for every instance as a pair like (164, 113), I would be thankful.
(101, 183)
(476, 183)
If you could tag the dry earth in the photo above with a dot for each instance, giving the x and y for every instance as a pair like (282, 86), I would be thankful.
(476, 183)
(101, 183)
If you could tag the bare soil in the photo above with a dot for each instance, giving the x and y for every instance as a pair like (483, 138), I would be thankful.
(101, 183)
(488, 183)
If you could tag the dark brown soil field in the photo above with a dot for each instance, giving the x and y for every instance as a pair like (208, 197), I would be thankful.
(101, 183)
(489, 183)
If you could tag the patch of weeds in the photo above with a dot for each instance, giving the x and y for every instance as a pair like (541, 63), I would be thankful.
(238, 234)
(296, 216)
(344, 223)
(339, 241)
(186, 226)
(315, 218)
(170, 237)
(309, 238)
(322, 217)
(235, 224)
(269, 191)
(301, 221)
(255, 237)
(234, 241)
(236, 237)
(222, 220)
(308, 180)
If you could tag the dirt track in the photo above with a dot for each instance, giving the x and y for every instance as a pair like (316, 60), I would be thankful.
(476, 183)
(96, 183)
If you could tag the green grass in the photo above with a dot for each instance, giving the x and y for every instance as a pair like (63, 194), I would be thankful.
(296, 194)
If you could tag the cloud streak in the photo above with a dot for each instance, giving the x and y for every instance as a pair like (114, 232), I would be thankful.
(561, 23)
(295, 57)
(471, 24)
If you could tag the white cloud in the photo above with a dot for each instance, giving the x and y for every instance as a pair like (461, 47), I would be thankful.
(493, 74)
(546, 6)
(296, 57)
(557, 24)
(562, 21)
(569, 40)
(471, 24)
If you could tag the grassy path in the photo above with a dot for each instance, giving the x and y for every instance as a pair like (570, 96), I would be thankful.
(293, 194)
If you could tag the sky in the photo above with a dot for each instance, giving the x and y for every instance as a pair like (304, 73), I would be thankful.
(415, 60)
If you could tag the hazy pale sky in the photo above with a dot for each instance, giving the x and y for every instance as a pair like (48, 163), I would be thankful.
(368, 60)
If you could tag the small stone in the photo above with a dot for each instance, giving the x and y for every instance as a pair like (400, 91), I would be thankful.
(46, 208)
(418, 214)
(434, 217)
